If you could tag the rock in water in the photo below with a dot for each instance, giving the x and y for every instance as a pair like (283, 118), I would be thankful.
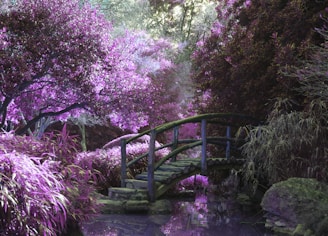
(297, 206)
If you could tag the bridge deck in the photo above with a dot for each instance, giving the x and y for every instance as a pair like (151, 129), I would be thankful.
(171, 171)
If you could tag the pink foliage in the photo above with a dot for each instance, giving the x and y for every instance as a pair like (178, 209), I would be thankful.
(59, 58)
(107, 161)
(41, 185)
(3, 39)
(193, 183)
(31, 196)
(193, 214)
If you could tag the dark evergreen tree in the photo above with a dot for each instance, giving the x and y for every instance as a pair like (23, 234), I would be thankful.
(239, 65)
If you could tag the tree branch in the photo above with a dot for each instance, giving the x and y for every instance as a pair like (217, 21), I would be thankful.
(31, 122)
(3, 110)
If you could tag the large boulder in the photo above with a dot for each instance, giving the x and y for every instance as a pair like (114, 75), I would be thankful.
(297, 206)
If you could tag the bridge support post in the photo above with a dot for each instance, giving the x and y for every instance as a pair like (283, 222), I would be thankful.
(150, 170)
(204, 144)
(123, 162)
(228, 147)
(175, 141)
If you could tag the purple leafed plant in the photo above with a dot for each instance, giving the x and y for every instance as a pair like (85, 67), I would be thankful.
(193, 182)
(61, 58)
(108, 161)
(38, 179)
(31, 196)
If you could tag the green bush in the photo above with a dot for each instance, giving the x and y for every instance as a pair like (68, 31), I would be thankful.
(294, 143)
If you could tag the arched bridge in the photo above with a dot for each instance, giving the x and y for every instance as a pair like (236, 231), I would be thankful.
(163, 173)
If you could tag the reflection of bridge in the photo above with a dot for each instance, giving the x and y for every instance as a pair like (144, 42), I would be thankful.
(164, 173)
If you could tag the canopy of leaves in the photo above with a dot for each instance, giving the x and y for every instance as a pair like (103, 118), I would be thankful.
(238, 66)
(59, 57)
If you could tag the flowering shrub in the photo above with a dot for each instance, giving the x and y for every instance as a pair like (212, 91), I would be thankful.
(193, 182)
(108, 161)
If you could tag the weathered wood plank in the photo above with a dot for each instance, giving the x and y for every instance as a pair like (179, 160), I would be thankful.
(161, 179)
(183, 169)
(187, 167)
(171, 167)
(166, 173)
(189, 161)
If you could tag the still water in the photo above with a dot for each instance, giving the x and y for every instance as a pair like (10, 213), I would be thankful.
(200, 216)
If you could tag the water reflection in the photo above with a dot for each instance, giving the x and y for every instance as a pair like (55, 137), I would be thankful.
(201, 217)
(121, 225)
(205, 217)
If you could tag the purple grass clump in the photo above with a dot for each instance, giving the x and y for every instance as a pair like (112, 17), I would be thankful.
(31, 199)
(37, 181)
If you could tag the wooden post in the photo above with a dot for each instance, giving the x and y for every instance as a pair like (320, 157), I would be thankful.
(150, 170)
(123, 162)
(204, 144)
(228, 147)
(175, 141)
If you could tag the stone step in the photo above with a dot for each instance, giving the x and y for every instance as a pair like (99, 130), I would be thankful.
(138, 184)
(116, 193)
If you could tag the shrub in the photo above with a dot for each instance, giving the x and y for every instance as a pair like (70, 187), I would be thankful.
(43, 179)
(107, 161)
(31, 196)
(195, 182)
(294, 143)
(290, 145)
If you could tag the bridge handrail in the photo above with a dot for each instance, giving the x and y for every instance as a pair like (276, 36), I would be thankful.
(212, 140)
(194, 119)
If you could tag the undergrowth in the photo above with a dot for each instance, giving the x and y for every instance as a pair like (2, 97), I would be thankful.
(294, 143)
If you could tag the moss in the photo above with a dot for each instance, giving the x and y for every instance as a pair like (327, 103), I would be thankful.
(301, 230)
(300, 203)
(322, 227)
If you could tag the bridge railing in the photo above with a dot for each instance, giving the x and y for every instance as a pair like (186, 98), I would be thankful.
(225, 119)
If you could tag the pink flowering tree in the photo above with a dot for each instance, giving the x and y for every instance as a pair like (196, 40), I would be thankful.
(147, 84)
(59, 58)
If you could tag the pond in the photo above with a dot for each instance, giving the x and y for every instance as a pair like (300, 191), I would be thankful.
(201, 215)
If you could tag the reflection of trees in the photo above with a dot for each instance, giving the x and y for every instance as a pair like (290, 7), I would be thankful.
(210, 216)
(189, 218)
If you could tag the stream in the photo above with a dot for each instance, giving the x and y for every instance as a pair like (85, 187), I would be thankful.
(201, 215)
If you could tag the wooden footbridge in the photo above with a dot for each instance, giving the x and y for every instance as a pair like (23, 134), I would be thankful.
(161, 174)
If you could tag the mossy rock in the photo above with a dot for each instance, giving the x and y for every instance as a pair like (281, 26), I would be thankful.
(297, 203)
